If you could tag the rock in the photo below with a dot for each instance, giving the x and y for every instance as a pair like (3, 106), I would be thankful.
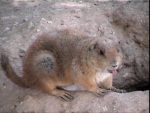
(131, 20)
(134, 102)
(42, 104)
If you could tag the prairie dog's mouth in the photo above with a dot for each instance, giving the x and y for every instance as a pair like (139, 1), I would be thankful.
(113, 71)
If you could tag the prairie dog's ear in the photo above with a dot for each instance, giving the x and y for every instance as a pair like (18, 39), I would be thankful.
(99, 48)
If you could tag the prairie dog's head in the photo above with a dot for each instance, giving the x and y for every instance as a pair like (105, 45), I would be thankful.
(104, 58)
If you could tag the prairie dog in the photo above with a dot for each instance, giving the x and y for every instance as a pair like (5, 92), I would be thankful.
(69, 61)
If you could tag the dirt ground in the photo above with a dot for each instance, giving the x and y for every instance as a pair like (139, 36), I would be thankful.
(20, 23)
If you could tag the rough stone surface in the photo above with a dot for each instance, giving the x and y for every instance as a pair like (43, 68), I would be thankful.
(118, 21)
(132, 21)
(85, 102)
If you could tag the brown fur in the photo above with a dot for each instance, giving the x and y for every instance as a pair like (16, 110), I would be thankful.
(63, 58)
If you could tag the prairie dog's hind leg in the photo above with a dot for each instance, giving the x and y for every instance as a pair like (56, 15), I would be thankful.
(45, 68)
(45, 64)
(50, 87)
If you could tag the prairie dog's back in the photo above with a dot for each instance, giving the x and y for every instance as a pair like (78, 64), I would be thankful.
(61, 47)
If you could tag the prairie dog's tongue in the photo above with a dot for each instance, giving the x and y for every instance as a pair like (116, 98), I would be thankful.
(114, 72)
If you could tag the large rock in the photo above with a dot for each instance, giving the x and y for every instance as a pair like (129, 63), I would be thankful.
(134, 102)
(131, 22)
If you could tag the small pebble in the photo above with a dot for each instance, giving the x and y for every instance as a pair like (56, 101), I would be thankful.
(49, 22)
(7, 29)
(31, 25)
(77, 16)
(4, 85)
(38, 30)
(25, 20)
(43, 19)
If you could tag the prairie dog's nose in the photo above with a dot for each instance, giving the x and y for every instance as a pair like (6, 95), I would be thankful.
(114, 64)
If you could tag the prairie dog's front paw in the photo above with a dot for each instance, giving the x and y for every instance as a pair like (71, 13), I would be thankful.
(101, 92)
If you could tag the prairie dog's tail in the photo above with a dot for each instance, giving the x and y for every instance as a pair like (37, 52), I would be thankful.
(10, 73)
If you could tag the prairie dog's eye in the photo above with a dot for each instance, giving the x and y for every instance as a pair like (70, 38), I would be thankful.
(101, 52)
